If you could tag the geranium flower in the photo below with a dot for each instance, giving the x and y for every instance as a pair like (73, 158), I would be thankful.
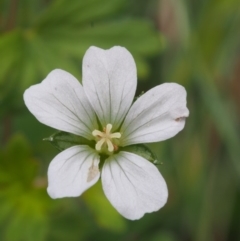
(102, 109)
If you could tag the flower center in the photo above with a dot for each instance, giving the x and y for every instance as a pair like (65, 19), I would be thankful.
(106, 139)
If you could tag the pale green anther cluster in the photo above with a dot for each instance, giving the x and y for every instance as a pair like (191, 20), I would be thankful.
(106, 139)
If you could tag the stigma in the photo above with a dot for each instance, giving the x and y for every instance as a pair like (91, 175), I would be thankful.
(106, 139)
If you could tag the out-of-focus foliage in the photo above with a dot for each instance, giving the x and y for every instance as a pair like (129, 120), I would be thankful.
(38, 36)
(23, 203)
(194, 43)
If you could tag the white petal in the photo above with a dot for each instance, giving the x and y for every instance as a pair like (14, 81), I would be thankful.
(109, 80)
(69, 172)
(60, 102)
(133, 185)
(157, 115)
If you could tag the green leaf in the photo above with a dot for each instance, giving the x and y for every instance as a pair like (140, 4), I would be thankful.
(219, 111)
(62, 13)
(17, 164)
(28, 220)
(105, 215)
(24, 202)
(163, 236)
(11, 50)
(142, 151)
(63, 140)
(144, 41)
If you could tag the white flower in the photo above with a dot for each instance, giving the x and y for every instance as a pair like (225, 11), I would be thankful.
(102, 109)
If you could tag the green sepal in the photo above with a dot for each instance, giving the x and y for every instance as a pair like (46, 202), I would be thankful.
(63, 140)
(142, 151)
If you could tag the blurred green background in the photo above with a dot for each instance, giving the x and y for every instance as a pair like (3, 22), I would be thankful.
(195, 43)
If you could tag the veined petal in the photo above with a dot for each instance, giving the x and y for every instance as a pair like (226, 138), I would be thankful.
(133, 185)
(60, 102)
(72, 172)
(109, 81)
(157, 115)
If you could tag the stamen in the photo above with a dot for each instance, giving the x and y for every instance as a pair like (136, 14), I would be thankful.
(97, 133)
(105, 138)
(99, 144)
(110, 146)
(115, 135)
(115, 147)
(108, 129)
